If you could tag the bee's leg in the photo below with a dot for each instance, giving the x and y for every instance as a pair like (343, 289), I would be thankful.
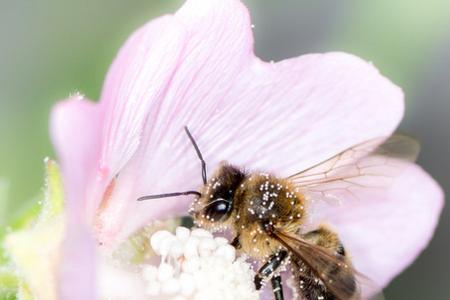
(235, 243)
(277, 287)
(269, 268)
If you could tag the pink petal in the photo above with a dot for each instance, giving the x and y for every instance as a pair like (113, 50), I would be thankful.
(137, 80)
(75, 131)
(385, 231)
(211, 26)
(77, 271)
(117, 282)
(279, 117)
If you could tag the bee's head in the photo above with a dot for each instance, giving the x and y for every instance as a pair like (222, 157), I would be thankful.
(213, 208)
(214, 203)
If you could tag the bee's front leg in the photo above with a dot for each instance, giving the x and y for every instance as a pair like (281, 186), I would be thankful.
(267, 270)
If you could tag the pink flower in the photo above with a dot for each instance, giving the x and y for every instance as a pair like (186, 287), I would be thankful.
(197, 68)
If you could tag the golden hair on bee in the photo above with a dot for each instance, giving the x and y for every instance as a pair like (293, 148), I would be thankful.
(266, 214)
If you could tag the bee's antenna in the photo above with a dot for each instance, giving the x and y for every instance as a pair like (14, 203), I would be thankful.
(187, 192)
(205, 180)
(169, 195)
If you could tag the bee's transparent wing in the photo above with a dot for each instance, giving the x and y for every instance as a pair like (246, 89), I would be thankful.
(373, 164)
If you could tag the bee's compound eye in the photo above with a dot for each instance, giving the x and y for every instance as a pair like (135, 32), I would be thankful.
(217, 209)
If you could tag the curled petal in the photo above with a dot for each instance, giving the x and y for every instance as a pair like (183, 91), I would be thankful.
(77, 270)
(137, 81)
(75, 128)
(75, 131)
(218, 45)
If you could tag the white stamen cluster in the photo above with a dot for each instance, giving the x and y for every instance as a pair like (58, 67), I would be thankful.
(195, 265)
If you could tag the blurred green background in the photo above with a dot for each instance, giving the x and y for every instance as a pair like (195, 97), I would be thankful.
(51, 48)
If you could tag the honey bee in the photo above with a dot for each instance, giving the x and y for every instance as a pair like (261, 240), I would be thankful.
(266, 214)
